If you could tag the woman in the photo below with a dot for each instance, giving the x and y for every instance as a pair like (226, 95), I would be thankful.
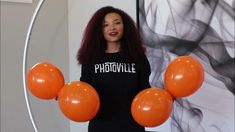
(114, 63)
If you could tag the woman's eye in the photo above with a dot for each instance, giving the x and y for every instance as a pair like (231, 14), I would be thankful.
(118, 23)
(105, 25)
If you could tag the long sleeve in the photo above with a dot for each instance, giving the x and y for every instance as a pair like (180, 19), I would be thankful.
(145, 71)
(86, 73)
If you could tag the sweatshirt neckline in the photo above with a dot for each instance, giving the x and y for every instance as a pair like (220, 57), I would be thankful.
(112, 53)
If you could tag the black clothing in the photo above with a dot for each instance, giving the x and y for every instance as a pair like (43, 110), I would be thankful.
(117, 82)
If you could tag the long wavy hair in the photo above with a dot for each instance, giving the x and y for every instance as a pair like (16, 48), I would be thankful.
(93, 44)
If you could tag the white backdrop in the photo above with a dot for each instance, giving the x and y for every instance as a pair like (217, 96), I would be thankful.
(20, 1)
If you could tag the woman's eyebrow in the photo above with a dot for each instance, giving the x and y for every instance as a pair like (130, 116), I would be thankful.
(116, 19)
(113, 20)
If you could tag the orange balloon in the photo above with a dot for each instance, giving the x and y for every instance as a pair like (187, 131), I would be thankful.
(79, 101)
(183, 76)
(44, 80)
(151, 107)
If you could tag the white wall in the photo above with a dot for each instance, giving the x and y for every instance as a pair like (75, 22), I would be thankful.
(49, 42)
(79, 14)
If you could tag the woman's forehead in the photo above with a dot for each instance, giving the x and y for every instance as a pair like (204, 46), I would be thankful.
(112, 17)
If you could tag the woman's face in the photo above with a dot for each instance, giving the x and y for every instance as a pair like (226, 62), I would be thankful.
(113, 28)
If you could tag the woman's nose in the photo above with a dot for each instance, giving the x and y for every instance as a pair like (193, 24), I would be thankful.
(112, 26)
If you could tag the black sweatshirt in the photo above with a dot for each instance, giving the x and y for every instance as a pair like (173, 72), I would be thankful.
(117, 83)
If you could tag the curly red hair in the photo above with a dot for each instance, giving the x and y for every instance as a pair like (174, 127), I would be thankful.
(94, 45)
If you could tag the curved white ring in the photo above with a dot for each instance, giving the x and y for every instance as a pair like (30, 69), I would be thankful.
(25, 62)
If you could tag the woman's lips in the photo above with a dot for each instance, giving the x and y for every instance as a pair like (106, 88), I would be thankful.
(113, 34)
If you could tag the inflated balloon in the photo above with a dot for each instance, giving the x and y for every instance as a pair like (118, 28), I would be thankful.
(44, 80)
(183, 76)
(151, 107)
(79, 101)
